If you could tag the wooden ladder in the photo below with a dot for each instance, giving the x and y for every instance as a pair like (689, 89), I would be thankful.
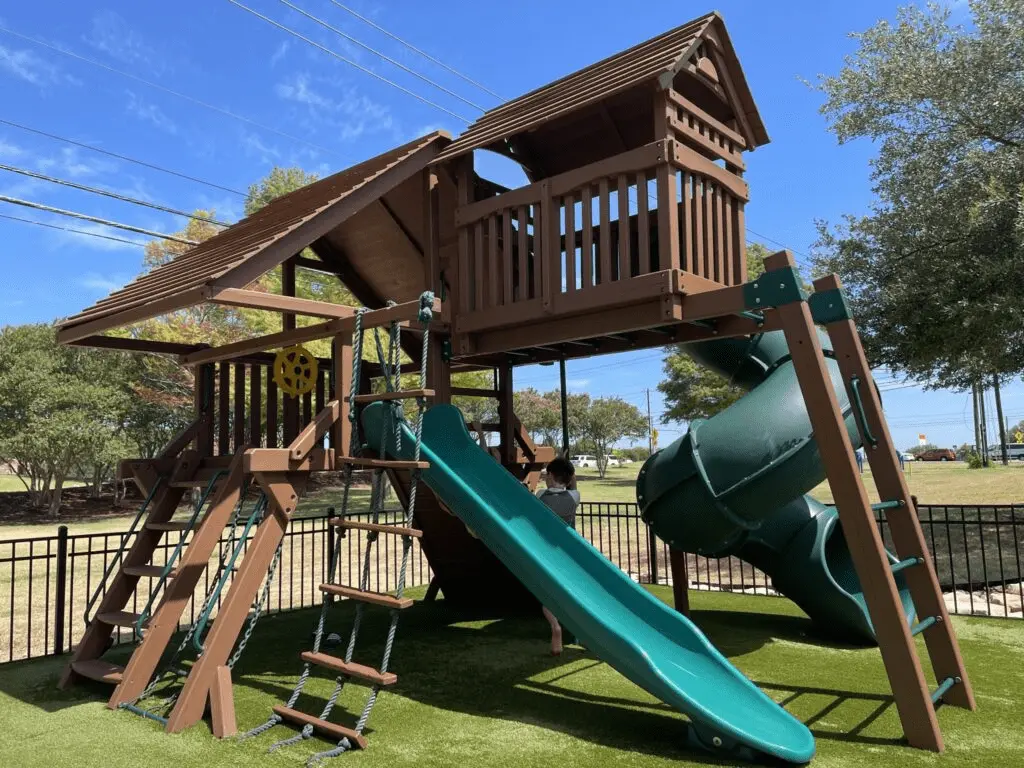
(915, 700)
(181, 580)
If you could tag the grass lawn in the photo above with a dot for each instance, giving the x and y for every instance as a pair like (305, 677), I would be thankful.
(13, 483)
(486, 693)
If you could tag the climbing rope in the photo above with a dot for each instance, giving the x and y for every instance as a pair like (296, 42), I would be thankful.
(390, 362)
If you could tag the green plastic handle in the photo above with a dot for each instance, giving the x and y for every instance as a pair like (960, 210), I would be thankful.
(859, 404)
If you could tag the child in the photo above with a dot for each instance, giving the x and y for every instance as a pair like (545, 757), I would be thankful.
(562, 498)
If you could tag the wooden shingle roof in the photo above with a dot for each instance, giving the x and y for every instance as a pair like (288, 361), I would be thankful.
(657, 60)
(236, 256)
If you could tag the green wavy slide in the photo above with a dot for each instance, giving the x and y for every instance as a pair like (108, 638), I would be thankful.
(626, 626)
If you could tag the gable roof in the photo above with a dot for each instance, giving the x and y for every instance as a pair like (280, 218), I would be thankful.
(655, 61)
(236, 256)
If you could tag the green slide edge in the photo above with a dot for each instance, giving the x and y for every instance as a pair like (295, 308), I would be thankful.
(620, 621)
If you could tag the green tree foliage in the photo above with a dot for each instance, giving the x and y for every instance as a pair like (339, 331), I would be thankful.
(936, 268)
(62, 412)
(540, 414)
(692, 392)
(917, 450)
(604, 421)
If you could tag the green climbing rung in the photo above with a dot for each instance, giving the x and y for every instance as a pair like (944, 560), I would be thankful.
(888, 505)
(143, 712)
(908, 563)
(943, 688)
(922, 625)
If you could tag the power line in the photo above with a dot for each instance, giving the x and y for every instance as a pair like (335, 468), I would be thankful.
(165, 89)
(414, 49)
(95, 220)
(338, 56)
(383, 56)
(105, 193)
(117, 156)
(72, 229)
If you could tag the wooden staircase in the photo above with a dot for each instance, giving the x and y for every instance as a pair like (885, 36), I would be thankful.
(223, 483)
(916, 699)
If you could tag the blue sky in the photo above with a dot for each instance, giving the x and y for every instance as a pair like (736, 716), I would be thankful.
(249, 96)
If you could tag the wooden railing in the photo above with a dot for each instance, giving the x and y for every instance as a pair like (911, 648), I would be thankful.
(694, 126)
(563, 245)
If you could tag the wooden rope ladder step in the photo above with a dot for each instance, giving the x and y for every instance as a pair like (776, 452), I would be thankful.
(780, 288)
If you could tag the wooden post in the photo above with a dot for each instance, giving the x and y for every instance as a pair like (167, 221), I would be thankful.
(907, 536)
(910, 689)
(203, 375)
(291, 404)
(668, 219)
(188, 709)
(342, 375)
(222, 704)
(506, 424)
(680, 580)
(438, 369)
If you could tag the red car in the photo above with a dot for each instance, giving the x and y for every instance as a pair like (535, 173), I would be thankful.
(937, 454)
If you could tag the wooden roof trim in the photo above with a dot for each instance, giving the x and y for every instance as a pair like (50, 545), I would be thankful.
(272, 302)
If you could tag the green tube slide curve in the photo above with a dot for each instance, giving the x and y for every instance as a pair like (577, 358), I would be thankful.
(626, 626)
(735, 484)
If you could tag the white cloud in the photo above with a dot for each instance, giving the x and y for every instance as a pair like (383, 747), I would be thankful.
(255, 147)
(25, 65)
(280, 52)
(10, 150)
(151, 113)
(99, 283)
(342, 108)
(577, 383)
(68, 161)
(114, 36)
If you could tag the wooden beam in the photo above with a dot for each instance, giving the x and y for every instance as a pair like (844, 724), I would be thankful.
(239, 297)
(137, 345)
(313, 433)
(410, 238)
(280, 460)
(190, 298)
(378, 317)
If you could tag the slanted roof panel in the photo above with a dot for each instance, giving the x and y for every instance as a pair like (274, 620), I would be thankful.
(231, 248)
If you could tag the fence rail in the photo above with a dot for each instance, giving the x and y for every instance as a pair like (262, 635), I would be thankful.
(46, 581)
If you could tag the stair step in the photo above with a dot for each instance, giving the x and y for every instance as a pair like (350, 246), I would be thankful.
(335, 731)
(351, 669)
(170, 525)
(152, 571)
(402, 394)
(398, 530)
(377, 598)
(382, 463)
(118, 618)
(99, 670)
(192, 482)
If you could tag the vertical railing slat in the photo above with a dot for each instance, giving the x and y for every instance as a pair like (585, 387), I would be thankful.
(507, 256)
(239, 404)
(587, 250)
(643, 225)
(569, 219)
(493, 264)
(479, 270)
(604, 224)
(624, 271)
(255, 405)
(223, 403)
(523, 278)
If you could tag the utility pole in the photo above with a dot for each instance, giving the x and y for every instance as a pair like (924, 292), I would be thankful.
(565, 409)
(650, 425)
(981, 421)
(977, 426)
(999, 416)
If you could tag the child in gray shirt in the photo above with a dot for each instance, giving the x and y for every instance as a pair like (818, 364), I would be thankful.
(562, 498)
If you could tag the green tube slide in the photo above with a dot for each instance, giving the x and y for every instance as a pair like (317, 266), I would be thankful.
(735, 484)
(653, 645)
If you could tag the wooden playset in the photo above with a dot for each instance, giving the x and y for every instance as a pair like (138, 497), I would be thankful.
(629, 234)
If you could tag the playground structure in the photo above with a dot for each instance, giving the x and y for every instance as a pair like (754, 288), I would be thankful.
(629, 234)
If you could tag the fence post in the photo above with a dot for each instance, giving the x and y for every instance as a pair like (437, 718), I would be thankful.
(331, 544)
(652, 555)
(61, 597)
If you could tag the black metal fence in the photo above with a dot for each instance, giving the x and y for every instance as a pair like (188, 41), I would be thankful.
(45, 582)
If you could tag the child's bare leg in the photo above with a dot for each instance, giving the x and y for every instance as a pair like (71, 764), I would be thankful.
(556, 632)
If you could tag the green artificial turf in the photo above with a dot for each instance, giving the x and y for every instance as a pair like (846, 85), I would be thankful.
(485, 692)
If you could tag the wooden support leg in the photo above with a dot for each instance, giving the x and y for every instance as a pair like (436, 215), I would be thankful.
(191, 703)
(907, 536)
(910, 689)
(680, 581)
(222, 704)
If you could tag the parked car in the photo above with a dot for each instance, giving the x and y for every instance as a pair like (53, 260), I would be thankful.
(584, 460)
(907, 456)
(937, 454)
(612, 461)
(625, 460)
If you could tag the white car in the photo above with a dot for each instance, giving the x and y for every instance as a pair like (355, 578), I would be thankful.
(584, 460)
(612, 461)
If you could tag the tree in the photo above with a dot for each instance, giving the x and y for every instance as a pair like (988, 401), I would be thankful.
(934, 271)
(606, 421)
(59, 412)
(917, 450)
(540, 414)
(691, 391)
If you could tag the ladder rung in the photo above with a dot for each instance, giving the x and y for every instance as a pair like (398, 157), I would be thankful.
(118, 618)
(99, 670)
(351, 669)
(153, 571)
(377, 598)
(888, 504)
(143, 712)
(336, 732)
(403, 394)
(907, 563)
(943, 688)
(399, 530)
(922, 625)
(382, 463)
(170, 525)
(193, 482)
